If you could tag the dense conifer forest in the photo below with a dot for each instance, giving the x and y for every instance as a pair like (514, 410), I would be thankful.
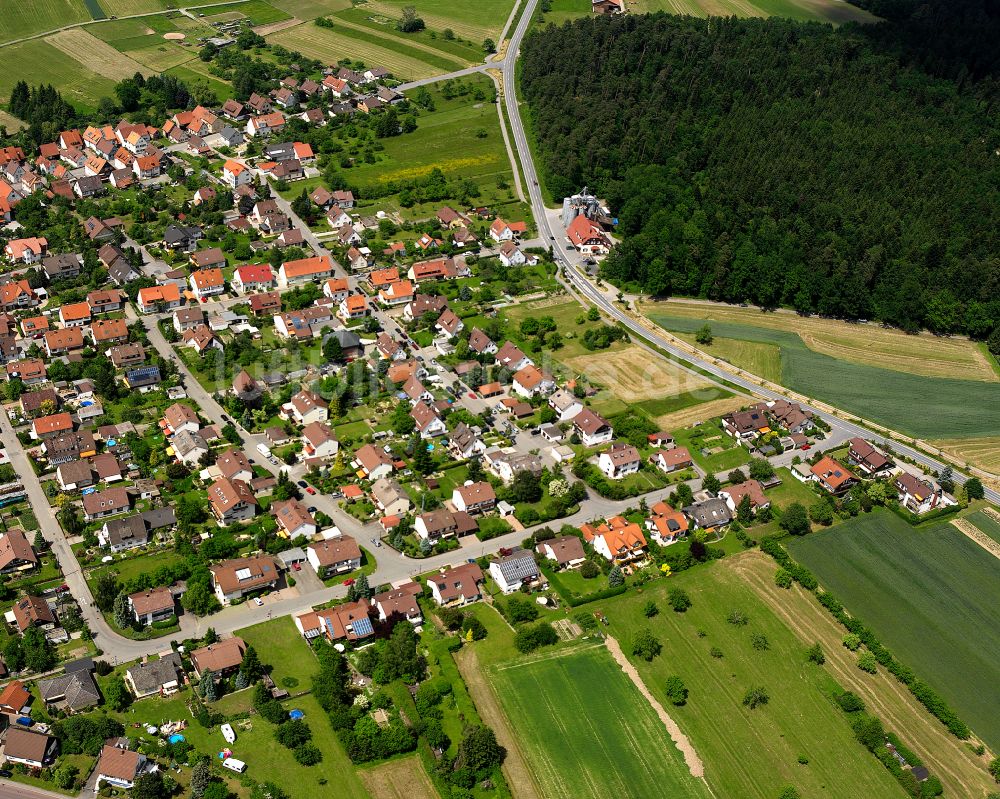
(852, 172)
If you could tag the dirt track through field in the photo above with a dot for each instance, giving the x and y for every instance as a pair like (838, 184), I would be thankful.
(680, 740)
(949, 759)
(274, 27)
(515, 768)
(969, 530)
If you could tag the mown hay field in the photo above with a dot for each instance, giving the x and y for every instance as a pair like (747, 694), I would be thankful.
(919, 405)
(95, 55)
(330, 46)
(870, 345)
(403, 778)
(751, 754)
(930, 594)
(834, 11)
(587, 731)
(952, 761)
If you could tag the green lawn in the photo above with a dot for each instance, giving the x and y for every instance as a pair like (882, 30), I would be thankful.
(279, 644)
(724, 454)
(473, 21)
(24, 19)
(79, 85)
(257, 11)
(751, 754)
(790, 490)
(266, 759)
(462, 49)
(754, 356)
(947, 408)
(446, 139)
(586, 729)
(930, 594)
(135, 565)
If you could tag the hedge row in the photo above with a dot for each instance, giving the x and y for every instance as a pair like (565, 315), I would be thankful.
(923, 692)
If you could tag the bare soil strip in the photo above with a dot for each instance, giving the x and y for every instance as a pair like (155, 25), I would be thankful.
(96, 55)
(515, 768)
(994, 515)
(399, 779)
(961, 772)
(680, 740)
(274, 27)
(969, 530)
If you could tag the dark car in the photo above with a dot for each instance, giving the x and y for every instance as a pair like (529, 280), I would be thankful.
(302, 484)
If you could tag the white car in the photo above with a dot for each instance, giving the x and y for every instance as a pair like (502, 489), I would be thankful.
(258, 601)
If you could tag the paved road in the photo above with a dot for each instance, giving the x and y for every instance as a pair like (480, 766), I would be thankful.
(15, 790)
(459, 73)
(578, 282)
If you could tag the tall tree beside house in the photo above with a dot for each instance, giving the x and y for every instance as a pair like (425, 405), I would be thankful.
(744, 510)
(251, 665)
(122, 611)
(616, 577)
(39, 543)
(207, 686)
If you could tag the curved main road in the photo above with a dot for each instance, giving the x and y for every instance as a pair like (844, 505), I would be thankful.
(576, 280)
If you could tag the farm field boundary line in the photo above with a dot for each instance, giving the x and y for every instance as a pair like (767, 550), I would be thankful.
(561, 653)
(950, 759)
(681, 741)
(969, 530)
(43, 34)
(519, 776)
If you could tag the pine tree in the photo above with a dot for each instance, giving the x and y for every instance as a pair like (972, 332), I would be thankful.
(362, 589)
(251, 665)
(122, 611)
(616, 577)
(207, 687)
(242, 681)
(201, 777)
(39, 542)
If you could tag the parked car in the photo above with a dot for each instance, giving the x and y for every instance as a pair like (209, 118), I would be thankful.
(310, 490)
(302, 483)
(258, 601)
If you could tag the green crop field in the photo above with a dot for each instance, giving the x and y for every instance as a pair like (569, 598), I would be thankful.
(26, 19)
(586, 729)
(79, 85)
(930, 594)
(473, 21)
(987, 524)
(933, 407)
(257, 11)
(751, 754)
(835, 11)
(462, 49)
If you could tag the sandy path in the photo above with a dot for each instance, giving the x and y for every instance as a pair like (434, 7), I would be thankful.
(680, 740)
(969, 530)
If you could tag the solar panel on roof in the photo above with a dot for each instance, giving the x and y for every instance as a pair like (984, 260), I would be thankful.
(363, 626)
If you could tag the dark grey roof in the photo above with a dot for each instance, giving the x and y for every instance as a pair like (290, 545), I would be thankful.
(519, 565)
(127, 530)
(709, 513)
(149, 677)
(347, 338)
(76, 689)
(180, 234)
(155, 518)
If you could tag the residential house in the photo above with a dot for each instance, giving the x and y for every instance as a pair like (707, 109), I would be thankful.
(16, 553)
(510, 357)
(233, 464)
(33, 611)
(919, 496)
(236, 174)
(350, 621)
(243, 577)
(390, 497)
(429, 422)
(163, 676)
(231, 501)
(179, 418)
(188, 318)
(29, 250)
(109, 502)
(221, 658)
(621, 460)
(60, 342)
(151, 605)
(207, 282)
(156, 299)
(464, 442)
(109, 331)
(119, 767)
(481, 344)
(307, 407)
(443, 523)
(338, 555)
(51, 426)
(128, 355)
(832, 476)
(425, 304)
(531, 381)
(501, 231)
(373, 461)
(733, 495)
(666, 525)
(399, 603)
(474, 497)
(870, 461)
(458, 586)
(566, 551)
(106, 301)
(14, 699)
(506, 463)
(30, 371)
(293, 519)
(746, 425)
(672, 460)
(587, 236)
(32, 749)
(618, 540)
(60, 267)
(592, 428)
(305, 270)
(449, 324)
(516, 570)
(71, 692)
(565, 404)
(709, 514)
